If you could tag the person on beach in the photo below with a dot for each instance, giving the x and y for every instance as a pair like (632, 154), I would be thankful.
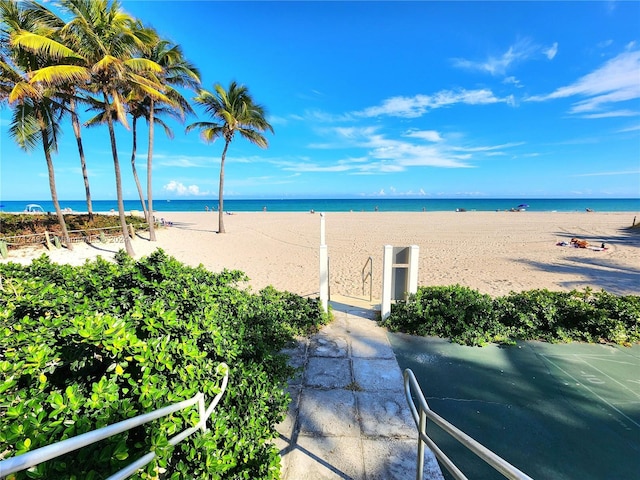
(576, 242)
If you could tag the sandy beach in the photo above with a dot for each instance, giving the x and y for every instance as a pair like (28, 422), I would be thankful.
(493, 252)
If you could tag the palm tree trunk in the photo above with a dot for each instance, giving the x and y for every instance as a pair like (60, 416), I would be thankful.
(116, 166)
(150, 219)
(83, 164)
(133, 166)
(221, 190)
(54, 192)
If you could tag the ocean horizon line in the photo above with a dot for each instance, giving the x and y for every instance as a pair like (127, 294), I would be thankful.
(347, 204)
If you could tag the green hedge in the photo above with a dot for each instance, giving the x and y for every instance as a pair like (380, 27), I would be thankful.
(30, 223)
(471, 318)
(84, 347)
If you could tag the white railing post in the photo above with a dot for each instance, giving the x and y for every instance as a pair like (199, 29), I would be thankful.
(324, 277)
(387, 287)
(422, 427)
(324, 267)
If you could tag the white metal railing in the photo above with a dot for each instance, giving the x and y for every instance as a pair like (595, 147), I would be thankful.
(420, 416)
(28, 460)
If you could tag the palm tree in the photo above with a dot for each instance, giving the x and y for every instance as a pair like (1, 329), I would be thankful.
(140, 108)
(177, 71)
(36, 111)
(234, 111)
(107, 40)
(69, 92)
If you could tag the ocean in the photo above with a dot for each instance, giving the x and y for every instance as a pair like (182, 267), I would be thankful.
(352, 204)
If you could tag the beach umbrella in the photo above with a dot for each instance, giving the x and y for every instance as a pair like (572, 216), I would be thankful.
(523, 205)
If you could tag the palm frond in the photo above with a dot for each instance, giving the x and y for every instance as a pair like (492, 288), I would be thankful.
(140, 65)
(254, 137)
(107, 64)
(201, 126)
(22, 90)
(167, 130)
(24, 128)
(119, 110)
(210, 135)
(42, 45)
(58, 74)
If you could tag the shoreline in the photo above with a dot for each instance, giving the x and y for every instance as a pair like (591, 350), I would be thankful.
(493, 252)
(352, 204)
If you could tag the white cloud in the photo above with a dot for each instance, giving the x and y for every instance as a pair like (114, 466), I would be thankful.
(634, 128)
(613, 113)
(276, 120)
(429, 135)
(180, 160)
(551, 51)
(520, 51)
(512, 81)
(378, 153)
(606, 174)
(605, 43)
(618, 80)
(418, 105)
(182, 190)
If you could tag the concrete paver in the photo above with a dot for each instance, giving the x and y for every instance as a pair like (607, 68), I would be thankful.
(349, 418)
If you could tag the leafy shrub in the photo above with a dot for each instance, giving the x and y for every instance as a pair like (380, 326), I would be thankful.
(84, 347)
(470, 318)
(460, 313)
(28, 223)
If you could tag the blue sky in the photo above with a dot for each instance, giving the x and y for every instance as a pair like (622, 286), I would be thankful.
(387, 99)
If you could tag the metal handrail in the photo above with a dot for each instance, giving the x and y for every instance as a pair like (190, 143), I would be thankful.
(420, 418)
(35, 457)
(370, 275)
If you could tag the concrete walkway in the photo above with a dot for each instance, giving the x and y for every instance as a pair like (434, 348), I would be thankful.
(348, 417)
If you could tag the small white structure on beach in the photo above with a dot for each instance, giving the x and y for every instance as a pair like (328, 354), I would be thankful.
(33, 208)
(399, 275)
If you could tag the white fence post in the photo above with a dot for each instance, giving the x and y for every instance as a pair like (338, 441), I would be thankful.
(324, 277)
(412, 286)
(387, 287)
(324, 267)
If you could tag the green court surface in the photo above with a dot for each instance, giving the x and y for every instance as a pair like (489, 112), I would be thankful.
(555, 411)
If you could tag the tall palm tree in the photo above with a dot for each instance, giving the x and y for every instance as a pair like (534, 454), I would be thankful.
(105, 41)
(68, 93)
(176, 71)
(108, 40)
(36, 110)
(140, 108)
(234, 111)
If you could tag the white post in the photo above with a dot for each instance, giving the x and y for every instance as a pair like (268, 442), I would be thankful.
(387, 271)
(412, 287)
(324, 267)
(324, 277)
